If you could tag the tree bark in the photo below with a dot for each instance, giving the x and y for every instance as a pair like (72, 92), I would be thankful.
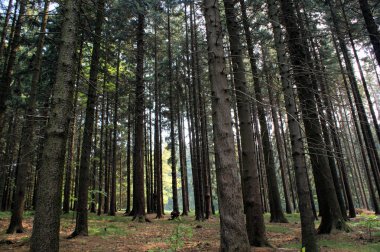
(251, 192)
(233, 233)
(372, 28)
(330, 212)
(81, 227)
(138, 160)
(299, 161)
(6, 79)
(45, 234)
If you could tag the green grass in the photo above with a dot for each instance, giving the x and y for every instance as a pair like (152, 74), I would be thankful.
(7, 214)
(101, 229)
(277, 229)
(342, 245)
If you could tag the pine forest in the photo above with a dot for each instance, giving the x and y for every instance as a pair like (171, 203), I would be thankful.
(190, 125)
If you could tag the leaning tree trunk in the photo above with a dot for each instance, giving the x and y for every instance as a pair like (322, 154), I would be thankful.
(372, 28)
(330, 211)
(81, 227)
(363, 119)
(299, 161)
(250, 178)
(233, 233)
(279, 142)
(45, 235)
(277, 215)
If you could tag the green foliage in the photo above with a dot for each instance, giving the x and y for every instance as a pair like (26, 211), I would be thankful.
(372, 222)
(102, 229)
(180, 232)
(277, 229)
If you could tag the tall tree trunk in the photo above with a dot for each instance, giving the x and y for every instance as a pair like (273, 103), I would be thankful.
(277, 214)
(330, 212)
(5, 27)
(279, 142)
(233, 233)
(114, 142)
(299, 161)
(45, 234)
(363, 119)
(251, 192)
(357, 129)
(138, 160)
(27, 148)
(157, 131)
(173, 160)
(129, 146)
(71, 138)
(6, 78)
(101, 143)
(195, 122)
(372, 28)
(81, 227)
(182, 158)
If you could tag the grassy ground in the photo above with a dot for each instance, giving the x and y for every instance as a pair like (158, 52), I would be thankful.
(119, 233)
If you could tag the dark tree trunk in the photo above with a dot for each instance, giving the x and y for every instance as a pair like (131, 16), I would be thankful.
(372, 28)
(81, 227)
(157, 131)
(5, 27)
(27, 148)
(233, 233)
(279, 142)
(173, 160)
(182, 157)
(363, 120)
(195, 121)
(331, 215)
(138, 160)
(71, 139)
(114, 142)
(129, 146)
(6, 78)
(251, 192)
(299, 161)
(101, 149)
(277, 214)
(45, 235)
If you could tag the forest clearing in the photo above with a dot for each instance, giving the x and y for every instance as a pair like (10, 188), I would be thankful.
(253, 125)
(120, 233)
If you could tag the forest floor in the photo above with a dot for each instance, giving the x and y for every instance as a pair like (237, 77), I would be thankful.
(120, 233)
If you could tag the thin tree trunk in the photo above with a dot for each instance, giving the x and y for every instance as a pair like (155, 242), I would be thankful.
(81, 227)
(71, 138)
(5, 28)
(27, 148)
(279, 142)
(114, 142)
(6, 79)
